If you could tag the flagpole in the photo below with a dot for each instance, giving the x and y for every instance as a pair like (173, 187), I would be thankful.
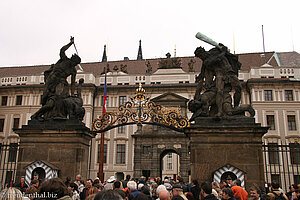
(101, 154)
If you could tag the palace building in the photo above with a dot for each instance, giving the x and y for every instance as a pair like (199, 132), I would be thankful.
(271, 84)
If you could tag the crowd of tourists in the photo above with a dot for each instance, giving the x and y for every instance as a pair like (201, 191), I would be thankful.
(142, 189)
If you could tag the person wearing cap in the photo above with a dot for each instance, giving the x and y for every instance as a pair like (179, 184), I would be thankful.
(178, 191)
(109, 183)
(228, 181)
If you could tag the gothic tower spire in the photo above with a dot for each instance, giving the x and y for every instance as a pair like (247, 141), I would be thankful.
(140, 54)
(104, 58)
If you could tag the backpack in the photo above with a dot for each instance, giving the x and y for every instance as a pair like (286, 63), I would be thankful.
(279, 197)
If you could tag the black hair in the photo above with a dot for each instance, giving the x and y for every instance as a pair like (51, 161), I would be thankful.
(228, 191)
(206, 187)
(108, 194)
(117, 184)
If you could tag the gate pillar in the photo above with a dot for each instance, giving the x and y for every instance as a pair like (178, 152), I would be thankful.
(236, 142)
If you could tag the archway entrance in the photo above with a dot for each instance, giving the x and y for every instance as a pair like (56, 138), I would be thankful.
(152, 147)
(169, 164)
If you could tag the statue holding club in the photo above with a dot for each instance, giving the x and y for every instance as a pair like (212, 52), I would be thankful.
(218, 77)
(56, 89)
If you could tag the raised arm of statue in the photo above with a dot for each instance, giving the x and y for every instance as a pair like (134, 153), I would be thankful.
(73, 77)
(62, 53)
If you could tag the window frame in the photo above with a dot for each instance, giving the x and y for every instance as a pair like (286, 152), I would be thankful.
(268, 95)
(121, 154)
(288, 94)
(271, 122)
(291, 121)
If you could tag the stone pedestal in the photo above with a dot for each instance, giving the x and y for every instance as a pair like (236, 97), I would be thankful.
(62, 143)
(218, 145)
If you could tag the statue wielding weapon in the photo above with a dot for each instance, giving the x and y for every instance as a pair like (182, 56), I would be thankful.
(77, 54)
(206, 39)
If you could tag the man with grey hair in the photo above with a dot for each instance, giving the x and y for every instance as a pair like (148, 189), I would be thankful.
(160, 188)
(132, 187)
(77, 179)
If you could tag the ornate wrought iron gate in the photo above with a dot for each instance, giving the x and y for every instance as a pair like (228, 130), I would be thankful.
(282, 163)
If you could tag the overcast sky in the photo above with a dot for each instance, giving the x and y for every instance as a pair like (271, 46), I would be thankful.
(33, 31)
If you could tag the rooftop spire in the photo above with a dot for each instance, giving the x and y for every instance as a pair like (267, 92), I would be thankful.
(140, 54)
(104, 57)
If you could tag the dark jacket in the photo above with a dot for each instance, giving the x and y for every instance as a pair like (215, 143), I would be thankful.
(84, 194)
(210, 197)
(22, 188)
(134, 193)
(196, 191)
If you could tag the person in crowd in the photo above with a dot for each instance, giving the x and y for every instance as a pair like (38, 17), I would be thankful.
(177, 198)
(275, 192)
(132, 188)
(93, 190)
(159, 189)
(85, 192)
(77, 179)
(153, 189)
(238, 190)
(122, 193)
(182, 183)
(117, 185)
(109, 183)
(296, 194)
(195, 189)
(146, 190)
(206, 191)
(73, 188)
(124, 182)
(35, 183)
(164, 195)
(158, 180)
(142, 180)
(219, 193)
(31, 192)
(98, 184)
(292, 189)
(108, 195)
(178, 191)
(167, 184)
(11, 193)
(36, 176)
(255, 193)
(227, 194)
(54, 189)
(189, 196)
(140, 185)
(228, 181)
(22, 186)
(68, 181)
(141, 196)
(80, 185)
